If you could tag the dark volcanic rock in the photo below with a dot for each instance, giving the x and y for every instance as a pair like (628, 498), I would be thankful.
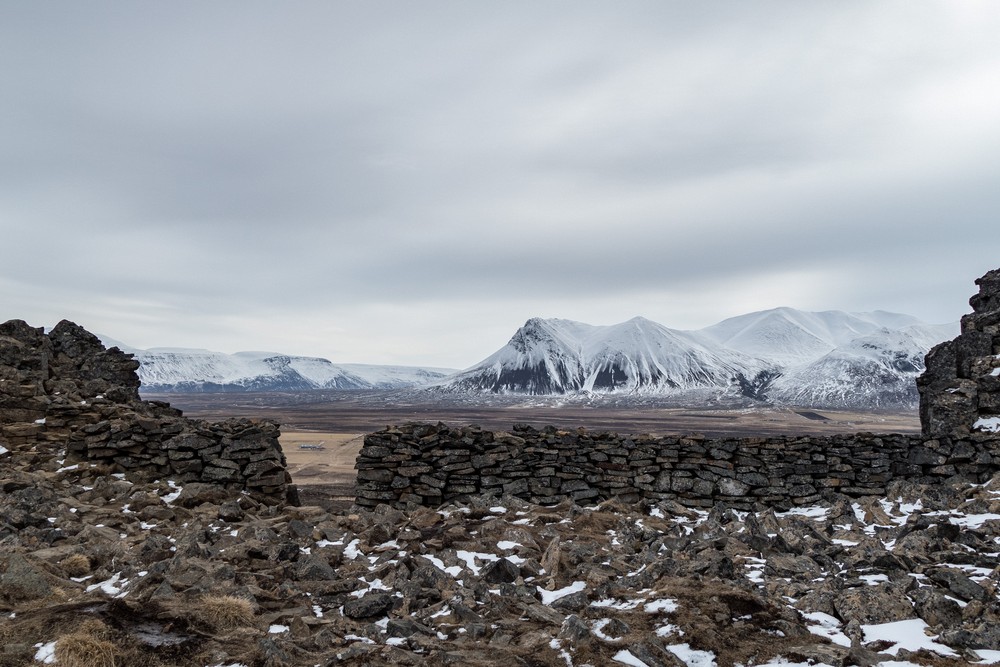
(368, 605)
(22, 581)
(500, 571)
(961, 384)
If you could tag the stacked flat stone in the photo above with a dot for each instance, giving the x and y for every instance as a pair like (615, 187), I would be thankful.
(64, 392)
(427, 464)
(960, 390)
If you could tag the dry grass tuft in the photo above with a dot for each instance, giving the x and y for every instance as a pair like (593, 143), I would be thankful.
(81, 649)
(76, 565)
(224, 612)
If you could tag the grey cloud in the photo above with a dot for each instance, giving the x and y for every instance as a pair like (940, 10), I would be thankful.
(223, 162)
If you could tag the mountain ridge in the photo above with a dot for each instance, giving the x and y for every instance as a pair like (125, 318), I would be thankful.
(196, 370)
(831, 359)
(783, 355)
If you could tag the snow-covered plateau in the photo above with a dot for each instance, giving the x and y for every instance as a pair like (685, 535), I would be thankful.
(193, 370)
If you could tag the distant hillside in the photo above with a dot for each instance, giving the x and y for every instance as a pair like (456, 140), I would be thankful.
(190, 370)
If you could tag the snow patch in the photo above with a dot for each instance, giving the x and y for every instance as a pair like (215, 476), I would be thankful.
(171, 497)
(470, 559)
(667, 606)
(46, 653)
(548, 597)
(454, 570)
(351, 550)
(909, 634)
(111, 586)
(987, 424)
(598, 628)
(816, 513)
(626, 658)
(691, 657)
(987, 657)
(827, 626)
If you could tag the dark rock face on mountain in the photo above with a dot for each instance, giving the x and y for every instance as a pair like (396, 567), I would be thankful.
(960, 390)
(64, 395)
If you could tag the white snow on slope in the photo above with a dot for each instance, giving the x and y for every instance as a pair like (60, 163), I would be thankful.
(831, 359)
(878, 368)
(559, 356)
(820, 359)
(787, 336)
(196, 370)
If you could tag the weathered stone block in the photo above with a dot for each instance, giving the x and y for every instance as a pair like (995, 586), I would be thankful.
(433, 481)
(732, 487)
(374, 452)
(216, 474)
(374, 475)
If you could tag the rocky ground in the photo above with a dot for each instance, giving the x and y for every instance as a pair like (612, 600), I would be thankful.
(95, 570)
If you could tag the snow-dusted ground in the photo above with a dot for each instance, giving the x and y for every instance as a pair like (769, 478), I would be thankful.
(908, 579)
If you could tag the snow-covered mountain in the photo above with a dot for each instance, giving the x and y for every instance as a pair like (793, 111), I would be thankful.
(787, 356)
(192, 370)
(560, 356)
(874, 371)
(784, 356)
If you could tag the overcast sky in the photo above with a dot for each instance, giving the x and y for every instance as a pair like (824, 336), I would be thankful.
(408, 182)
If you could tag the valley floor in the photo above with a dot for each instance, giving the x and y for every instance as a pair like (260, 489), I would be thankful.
(363, 412)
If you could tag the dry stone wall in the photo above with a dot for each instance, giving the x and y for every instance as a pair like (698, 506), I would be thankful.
(432, 464)
(960, 416)
(63, 391)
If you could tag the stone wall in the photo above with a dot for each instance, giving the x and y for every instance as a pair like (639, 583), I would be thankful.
(959, 411)
(432, 464)
(64, 392)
